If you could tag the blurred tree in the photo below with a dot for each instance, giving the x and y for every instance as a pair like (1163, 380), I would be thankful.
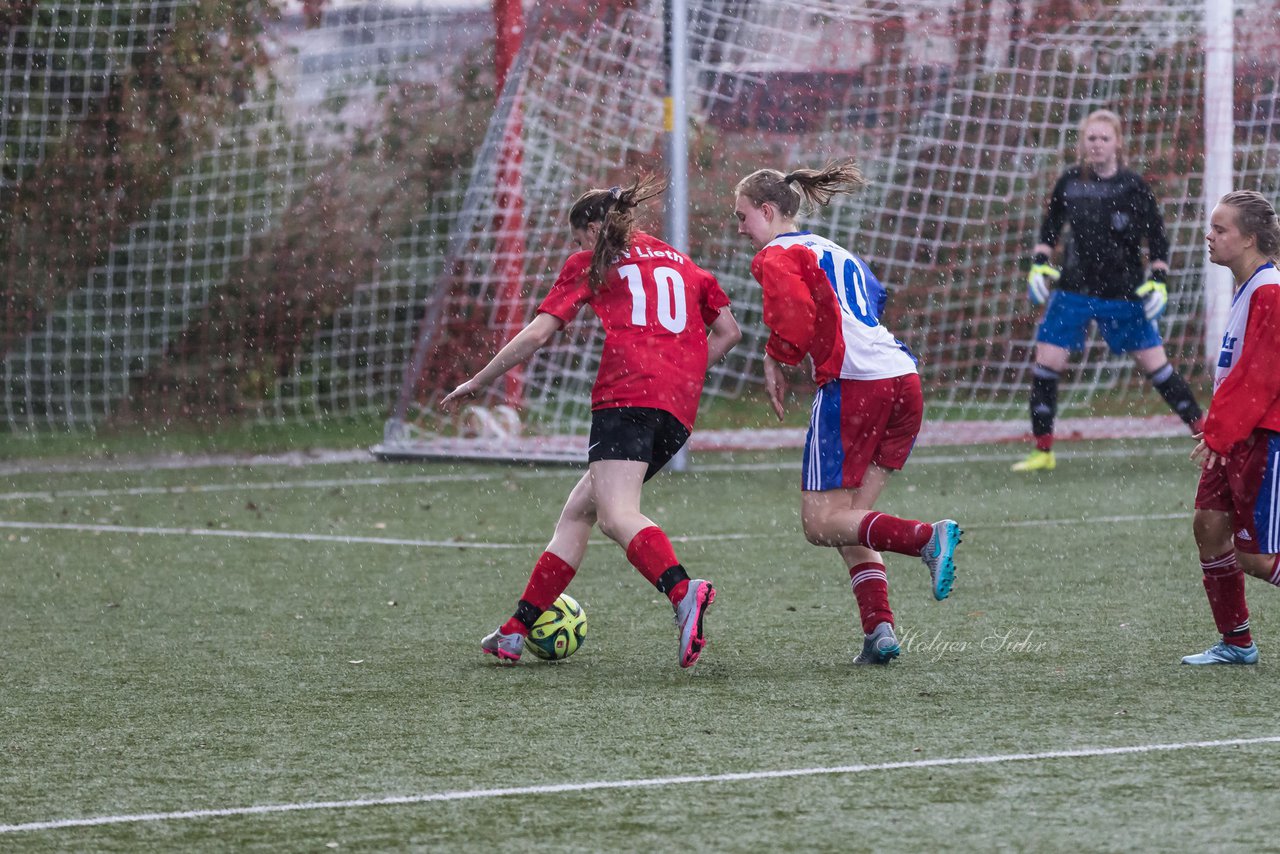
(166, 79)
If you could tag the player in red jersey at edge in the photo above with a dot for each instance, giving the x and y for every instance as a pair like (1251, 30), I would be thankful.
(823, 302)
(1237, 516)
(665, 320)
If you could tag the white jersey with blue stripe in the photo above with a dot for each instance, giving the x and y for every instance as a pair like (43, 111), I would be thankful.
(1238, 320)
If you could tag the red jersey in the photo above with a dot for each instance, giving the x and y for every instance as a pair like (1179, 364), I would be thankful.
(655, 307)
(1246, 385)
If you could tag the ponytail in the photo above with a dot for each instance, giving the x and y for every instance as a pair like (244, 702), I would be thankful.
(614, 209)
(814, 187)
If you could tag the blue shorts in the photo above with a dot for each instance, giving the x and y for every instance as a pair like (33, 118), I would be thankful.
(1121, 322)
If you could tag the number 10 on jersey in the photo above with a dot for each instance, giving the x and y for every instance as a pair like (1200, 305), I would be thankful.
(669, 285)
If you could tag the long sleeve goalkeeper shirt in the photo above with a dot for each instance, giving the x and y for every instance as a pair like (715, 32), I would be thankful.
(1109, 219)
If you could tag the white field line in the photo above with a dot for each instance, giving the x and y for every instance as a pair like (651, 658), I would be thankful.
(255, 535)
(196, 489)
(640, 783)
(186, 461)
(342, 539)
(332, 483)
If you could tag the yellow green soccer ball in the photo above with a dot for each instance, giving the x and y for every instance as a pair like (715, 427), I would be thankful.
(559, 631)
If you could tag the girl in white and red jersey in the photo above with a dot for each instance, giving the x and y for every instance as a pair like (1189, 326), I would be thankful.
(823, 302)
(1237, 516)
(656, 306)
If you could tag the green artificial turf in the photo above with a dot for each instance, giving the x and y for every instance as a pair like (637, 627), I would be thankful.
(154, 672)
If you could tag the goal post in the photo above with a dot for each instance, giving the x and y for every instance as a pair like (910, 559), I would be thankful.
(675, 115)
(508, 18)
(494, 190)
(1219, 159)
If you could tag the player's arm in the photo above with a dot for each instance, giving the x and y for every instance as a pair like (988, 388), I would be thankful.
(1154, 292)
(723, 332)
(789, 309)
(723, 335)
(1042, 275)
(1055, 218)
(1253, 385)
(775, 383)
(1157, 239)
(517, 351)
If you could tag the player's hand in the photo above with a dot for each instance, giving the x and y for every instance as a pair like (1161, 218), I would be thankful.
(776, 384)
(466, 389)
(1154, 294)
(1041, 278)
(1206, 457)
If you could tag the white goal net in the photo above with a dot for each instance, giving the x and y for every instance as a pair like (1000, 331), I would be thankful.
(962, 115)
(327, 224)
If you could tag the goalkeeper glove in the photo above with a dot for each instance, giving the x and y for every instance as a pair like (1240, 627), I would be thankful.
(1041, 278)
(1154, 294)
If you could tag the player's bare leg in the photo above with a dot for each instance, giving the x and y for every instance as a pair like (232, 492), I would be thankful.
(1213, 533)
(616, 486)
(551, 574)
(1266, 567)
(577, 518)
(831, 517)
(843, 517)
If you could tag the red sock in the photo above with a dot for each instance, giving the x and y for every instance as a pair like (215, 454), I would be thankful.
(871, 587)
(550, 577)
(886, 533)
(650, 552)
(1045, 442)
(1224, 584)
(514, 627)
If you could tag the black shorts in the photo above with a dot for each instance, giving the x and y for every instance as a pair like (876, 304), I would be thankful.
(636, 433)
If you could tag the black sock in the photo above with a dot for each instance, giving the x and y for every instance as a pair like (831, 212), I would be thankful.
(669, 579)
(1175, 391)
(526, 613)
(1044, 400)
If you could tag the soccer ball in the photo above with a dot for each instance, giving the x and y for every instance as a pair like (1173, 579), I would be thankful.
(559, 631)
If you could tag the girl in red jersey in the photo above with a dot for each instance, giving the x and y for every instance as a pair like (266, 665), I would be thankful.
(1237, 517)
(655, 305)
(823, 302)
